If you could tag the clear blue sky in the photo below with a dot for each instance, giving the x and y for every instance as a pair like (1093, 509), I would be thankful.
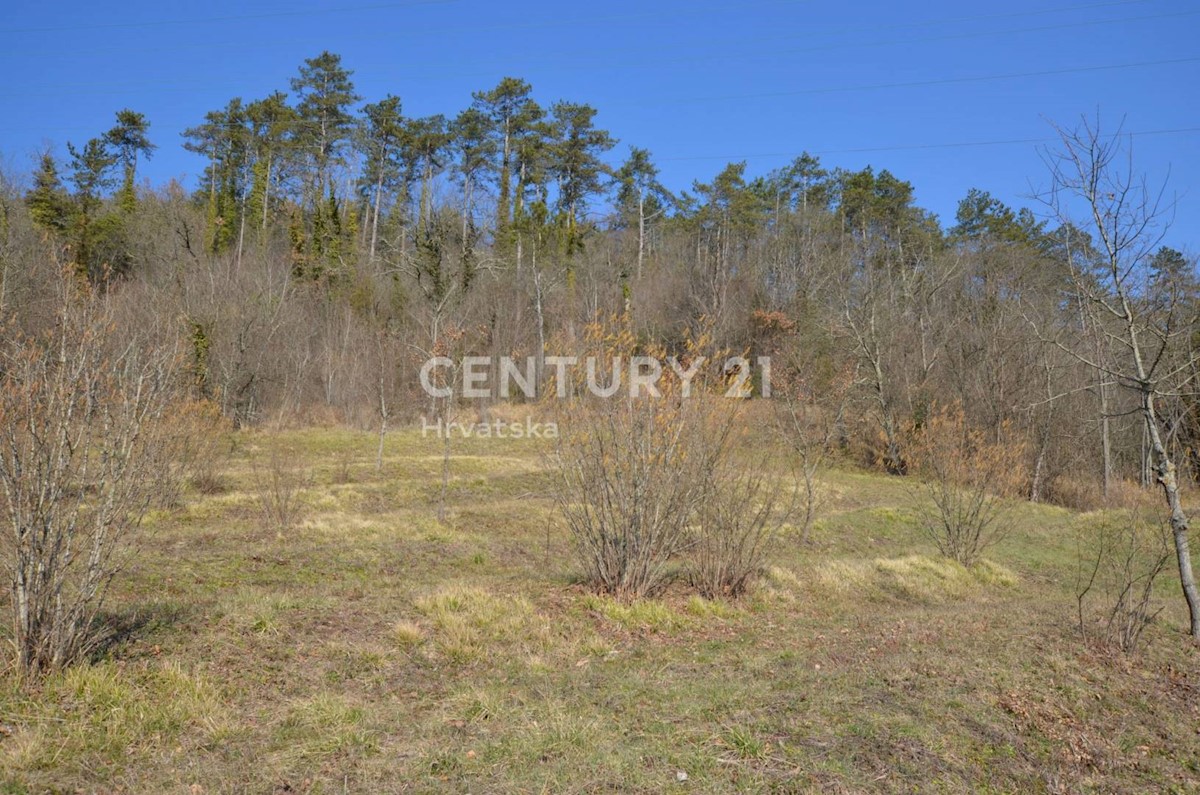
(698, 83)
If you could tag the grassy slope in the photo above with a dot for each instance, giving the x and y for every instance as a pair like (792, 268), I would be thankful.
(371, 649)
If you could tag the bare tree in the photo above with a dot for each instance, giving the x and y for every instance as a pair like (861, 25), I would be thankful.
(1093, 173)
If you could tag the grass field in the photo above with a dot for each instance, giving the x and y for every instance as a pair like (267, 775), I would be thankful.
(371, 649)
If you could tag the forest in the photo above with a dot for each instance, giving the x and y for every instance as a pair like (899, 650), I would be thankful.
(1004, 361)
(331, 241)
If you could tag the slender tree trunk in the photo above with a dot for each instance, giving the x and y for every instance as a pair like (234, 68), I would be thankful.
(1165, 471)
(241, 233)
(466, 208)
(375, 218)
(1105, 435)
(266, 193)
(445, 460)
(383, 425)
(641, 234)
(541, 329)
(1144, 476)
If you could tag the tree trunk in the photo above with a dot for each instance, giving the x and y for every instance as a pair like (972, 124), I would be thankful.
(1105, 436)
(375, 218)
(1165, 471)
(641, 234)
(541, 329)
(266, 194)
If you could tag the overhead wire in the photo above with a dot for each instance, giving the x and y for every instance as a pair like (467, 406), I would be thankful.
(912, 147)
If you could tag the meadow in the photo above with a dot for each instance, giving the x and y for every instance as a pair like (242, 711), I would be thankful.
(363, 646)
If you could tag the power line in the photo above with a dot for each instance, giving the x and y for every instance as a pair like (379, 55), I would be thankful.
(459, 27)
(913, 147)
(841, 46)
(385, 6)
(774, 94)
(926, 83)
(149, 23)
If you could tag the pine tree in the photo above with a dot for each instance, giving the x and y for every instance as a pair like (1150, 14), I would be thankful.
(382, 138)
(128, 139)
(272, 124)
(640, 196)
(512, 113)
(471, 139)
(91, 174)
(325, 95)
(225, 139)
(575, 162)
(427, 141)
(48, 202)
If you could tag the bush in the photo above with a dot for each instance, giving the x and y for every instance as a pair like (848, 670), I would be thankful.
(965, 472)
(1115, 583)
(279, 485)
(739, 517)
(632, 472)
(631, 475)
(91, 438)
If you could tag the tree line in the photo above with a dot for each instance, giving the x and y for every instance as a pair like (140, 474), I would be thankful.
(332, 244)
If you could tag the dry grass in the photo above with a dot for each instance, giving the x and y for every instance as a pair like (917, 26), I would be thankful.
(372, 649)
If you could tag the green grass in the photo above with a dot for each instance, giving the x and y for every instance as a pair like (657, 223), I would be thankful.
(373, 649)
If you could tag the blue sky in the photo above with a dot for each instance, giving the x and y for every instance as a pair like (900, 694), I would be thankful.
(698, 83)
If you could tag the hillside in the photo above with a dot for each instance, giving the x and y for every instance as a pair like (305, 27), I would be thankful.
(369, 648)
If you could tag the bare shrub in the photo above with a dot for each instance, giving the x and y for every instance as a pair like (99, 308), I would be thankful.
(278, 485)
(205, 451)
(738, 518)
(1084, 494)
(90, 440)
(631, 473)
(965, 472)
(807, 431)
(343, 471)
(1119, 563)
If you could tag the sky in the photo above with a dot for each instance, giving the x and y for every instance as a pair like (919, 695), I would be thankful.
(948, 96)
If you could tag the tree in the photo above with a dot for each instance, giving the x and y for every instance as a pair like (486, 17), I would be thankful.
(48, 202)
(575, 161)
(325, 95)
(1125, 217)
(512, 112)
(724, 223)
(982, 217)
(225, 140)
(383, 137)
(471, 138)
(802, 183)
(427, 140)
(272, 124)
(640, 196)
(129, 139)
(91, 174)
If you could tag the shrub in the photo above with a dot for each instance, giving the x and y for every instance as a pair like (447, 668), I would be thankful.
(91, 438)
(631, 475)
(739, 517)
(965, 473)
(632, 471)
(1115, 581)
(278, 485)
